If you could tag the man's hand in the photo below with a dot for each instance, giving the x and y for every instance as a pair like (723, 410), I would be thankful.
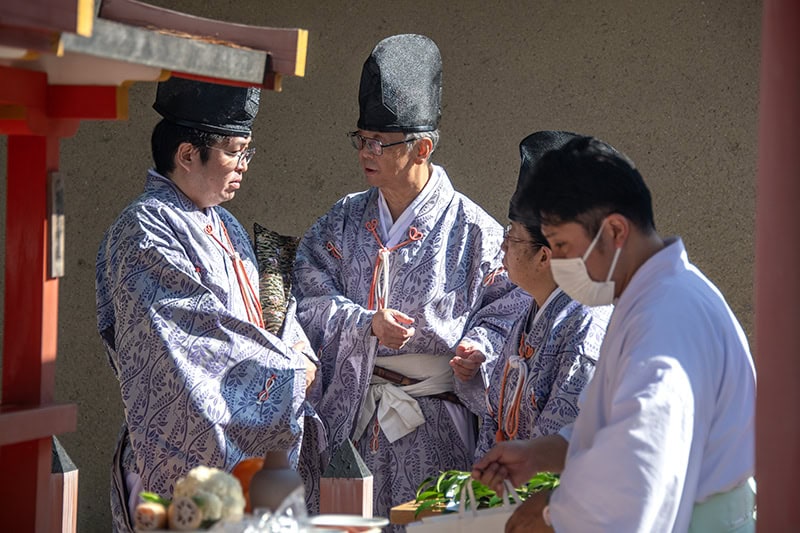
(467, 361)
(520, 460)
(389, 325)
(528, 515)
(311, 367)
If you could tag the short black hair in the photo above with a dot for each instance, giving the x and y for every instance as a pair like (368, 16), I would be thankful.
(586, 180)
(168, 136)
(538, 240)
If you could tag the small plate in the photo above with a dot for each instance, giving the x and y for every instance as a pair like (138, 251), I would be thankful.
(352, 522)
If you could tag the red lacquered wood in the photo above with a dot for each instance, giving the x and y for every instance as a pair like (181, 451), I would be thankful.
(777, 262)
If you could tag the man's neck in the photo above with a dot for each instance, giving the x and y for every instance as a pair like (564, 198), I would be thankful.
(543, 291)
(181, 180)
(399, 198)
(642, 248)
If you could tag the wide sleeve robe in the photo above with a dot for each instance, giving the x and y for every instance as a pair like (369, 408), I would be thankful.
(447, 281)
(200, 384)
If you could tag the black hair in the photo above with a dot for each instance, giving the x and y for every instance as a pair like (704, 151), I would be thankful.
(535, 231)
(168, 136)
(586, 180)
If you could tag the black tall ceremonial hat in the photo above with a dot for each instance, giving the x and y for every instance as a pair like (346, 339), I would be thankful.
(210, 107)
(401, 86)
(531, 149)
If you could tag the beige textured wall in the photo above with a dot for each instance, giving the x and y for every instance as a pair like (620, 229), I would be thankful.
(673, 84)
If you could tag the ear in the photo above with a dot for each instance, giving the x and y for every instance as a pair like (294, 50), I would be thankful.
(620, 229)
(545, 254)
(185, 156)
(424, 148)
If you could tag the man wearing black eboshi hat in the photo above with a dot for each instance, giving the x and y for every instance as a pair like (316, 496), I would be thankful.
(202, 382)
(401, 289)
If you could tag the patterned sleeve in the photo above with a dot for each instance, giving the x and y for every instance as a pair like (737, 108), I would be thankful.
(340, 330)
(487, 434)
(491, 324)
(574, 345)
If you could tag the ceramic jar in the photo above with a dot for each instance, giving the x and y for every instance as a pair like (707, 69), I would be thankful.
(270, 486)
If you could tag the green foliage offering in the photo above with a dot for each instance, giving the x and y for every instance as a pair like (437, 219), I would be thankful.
(153, 498)
(439, 492)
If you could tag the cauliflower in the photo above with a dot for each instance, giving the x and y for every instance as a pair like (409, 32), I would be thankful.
(218, 493)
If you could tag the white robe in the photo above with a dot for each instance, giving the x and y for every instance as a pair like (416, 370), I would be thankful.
(669, 418)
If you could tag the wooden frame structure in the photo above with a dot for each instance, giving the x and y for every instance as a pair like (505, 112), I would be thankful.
(777, 262)
(63, 61)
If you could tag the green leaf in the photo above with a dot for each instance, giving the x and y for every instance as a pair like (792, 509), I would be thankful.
(442, 477)
(429, 504)
(494, 500)
(428, 483)
(446, 488)
(427, 495)
(451, 483)
(543, 481)
(153, 498)
(482, 491)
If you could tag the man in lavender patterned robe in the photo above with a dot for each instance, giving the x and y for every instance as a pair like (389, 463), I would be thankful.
(403, 279)
(202, 382)
(536, 383)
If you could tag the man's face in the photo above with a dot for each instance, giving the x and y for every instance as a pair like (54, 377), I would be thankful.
(392, 165)
(217, 180)
(570, 239)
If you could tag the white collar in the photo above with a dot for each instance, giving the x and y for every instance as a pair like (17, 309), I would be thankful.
(392, 232)
(540, 311)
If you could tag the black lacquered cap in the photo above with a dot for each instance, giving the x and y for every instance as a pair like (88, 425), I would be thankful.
(210, 107)
(531, 149)
(401, 86)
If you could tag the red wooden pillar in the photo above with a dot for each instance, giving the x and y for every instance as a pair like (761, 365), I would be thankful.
(30, 319)
(35, 116)
(778, 270)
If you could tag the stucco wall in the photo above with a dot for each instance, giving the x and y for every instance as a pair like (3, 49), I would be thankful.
(672, 84)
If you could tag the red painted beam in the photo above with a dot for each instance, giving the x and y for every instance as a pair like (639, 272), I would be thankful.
(777, 264)
(22, 87)
(22, 91)
(22, 424)
(32, 121)
(92, 102)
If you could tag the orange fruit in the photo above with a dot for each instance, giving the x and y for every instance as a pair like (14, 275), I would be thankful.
(243, 471)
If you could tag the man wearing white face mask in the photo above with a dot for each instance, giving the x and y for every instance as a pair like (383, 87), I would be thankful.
(572, 273)
(665, 437)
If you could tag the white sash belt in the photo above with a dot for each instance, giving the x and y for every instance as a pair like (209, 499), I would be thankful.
(398, 412)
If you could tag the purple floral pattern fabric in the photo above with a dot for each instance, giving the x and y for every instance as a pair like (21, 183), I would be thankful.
(565, 344)
(192, 369)
(444, 282)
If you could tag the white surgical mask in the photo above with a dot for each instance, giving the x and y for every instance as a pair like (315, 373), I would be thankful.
(573, 278)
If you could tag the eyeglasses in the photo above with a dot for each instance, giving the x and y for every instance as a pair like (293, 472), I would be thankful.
(242, 156)
(374, 146)
(508, 237)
